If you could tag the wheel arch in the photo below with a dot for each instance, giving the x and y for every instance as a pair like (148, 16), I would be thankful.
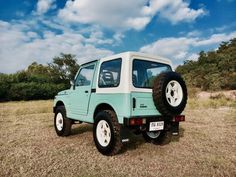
(102, 106)
(59, 103)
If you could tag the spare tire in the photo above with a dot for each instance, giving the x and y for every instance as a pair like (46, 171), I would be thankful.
(169, 93)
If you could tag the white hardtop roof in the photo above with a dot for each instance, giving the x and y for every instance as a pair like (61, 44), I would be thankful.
(132, 54)
(138, 55)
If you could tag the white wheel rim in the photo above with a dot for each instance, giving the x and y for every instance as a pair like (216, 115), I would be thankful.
(103, 133)
(59, 121)
(174, 93)
(153, 135)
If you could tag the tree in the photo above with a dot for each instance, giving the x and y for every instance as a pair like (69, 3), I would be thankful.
(39, 81)
(63, 68)
(214, 70)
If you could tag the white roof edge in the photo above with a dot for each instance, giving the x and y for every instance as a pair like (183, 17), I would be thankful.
(156, 57)
(138, 54)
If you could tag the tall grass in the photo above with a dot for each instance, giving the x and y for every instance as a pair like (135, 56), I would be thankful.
(193, 92)
(213, 102)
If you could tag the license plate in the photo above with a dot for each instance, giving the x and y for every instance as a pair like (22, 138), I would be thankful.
(155, 126)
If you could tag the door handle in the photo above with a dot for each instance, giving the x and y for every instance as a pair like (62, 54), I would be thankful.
(86, 91)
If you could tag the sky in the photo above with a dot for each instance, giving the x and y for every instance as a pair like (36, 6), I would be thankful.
(38, 30)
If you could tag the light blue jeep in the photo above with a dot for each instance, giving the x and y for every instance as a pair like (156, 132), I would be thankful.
(127, 91)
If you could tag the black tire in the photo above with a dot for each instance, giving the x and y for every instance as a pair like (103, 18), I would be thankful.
(159, 94)
(65, 129)
(114, 145)
(156, 140)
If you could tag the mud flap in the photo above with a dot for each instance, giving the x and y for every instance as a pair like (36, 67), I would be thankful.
(125, 134)
(175, 128)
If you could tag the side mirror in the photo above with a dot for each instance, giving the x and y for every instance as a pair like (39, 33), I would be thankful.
(72, 83)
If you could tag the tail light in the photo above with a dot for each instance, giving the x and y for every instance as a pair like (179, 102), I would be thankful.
(179, 118)
(137, 121)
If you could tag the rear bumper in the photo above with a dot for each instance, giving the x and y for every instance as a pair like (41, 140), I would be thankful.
(142, 123)
(148, 119)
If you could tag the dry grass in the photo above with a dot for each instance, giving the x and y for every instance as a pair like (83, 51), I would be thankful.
(195, 103)
(30, 147)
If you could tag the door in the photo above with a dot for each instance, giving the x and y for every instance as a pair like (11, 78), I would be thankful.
(81, 94)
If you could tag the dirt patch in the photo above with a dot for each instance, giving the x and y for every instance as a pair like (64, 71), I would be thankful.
(29, 146)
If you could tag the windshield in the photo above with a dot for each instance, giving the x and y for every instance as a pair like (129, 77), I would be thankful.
(144, 72)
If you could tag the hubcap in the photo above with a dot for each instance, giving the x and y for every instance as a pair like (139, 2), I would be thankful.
(174, 93)
(153, 135)
(59, 121)
(103, 133)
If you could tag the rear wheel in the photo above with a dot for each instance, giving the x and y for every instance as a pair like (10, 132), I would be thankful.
(106, 133)
(156, 137)
(61, 123)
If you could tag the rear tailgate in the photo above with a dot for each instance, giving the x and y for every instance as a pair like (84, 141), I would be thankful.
(143, 104)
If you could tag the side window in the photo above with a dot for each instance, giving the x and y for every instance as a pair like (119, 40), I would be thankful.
(85, 76)
(109, 75)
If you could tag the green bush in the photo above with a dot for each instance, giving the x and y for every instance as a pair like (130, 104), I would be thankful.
(4, 87)
(34, 91)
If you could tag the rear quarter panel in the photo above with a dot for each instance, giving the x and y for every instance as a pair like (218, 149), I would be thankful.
(120, 102)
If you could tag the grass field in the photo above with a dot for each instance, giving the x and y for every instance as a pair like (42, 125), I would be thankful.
(29, 145)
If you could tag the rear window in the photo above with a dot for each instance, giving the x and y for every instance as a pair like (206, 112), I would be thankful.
(144, 72)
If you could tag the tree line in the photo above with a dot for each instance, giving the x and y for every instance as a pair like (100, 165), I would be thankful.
(214, 70)
(39, 81)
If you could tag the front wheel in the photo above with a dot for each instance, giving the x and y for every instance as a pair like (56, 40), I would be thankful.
(61, 123)
(156, 137)
(106, 133)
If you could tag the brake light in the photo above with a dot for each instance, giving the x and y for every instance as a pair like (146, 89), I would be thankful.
(136, 121)
(179, 118)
